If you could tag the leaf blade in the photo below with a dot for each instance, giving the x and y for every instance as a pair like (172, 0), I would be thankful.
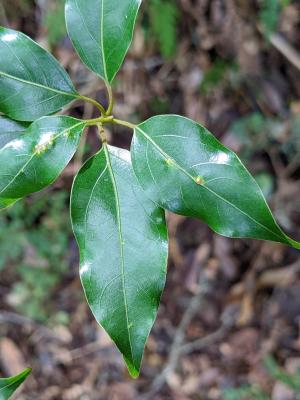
(185, 169)
(112, 222)
(9, 385)
(106, 32)
(35, 160)
(10, 130)
(32, 82)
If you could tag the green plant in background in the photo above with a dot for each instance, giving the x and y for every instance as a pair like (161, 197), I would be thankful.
(119, 197)
(270, 13)
(164, 17)
(258, 133)
(159, 105)
(54, 22)
(247, 392)
(9, 385)
(255, 132)
(253, 392)
(291, 380)
(216, 74)
(38, 253)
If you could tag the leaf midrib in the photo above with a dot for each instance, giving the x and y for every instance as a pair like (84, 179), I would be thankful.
(120, 234)
(74, 95)
(2, 389)
(102, 40)
(183, 170)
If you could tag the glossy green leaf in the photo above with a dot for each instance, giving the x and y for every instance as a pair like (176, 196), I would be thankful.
(9, 385)
(37, 158)
(185, 169)
(101, 32)
(10, 130)
(122, 239)
(32, 82)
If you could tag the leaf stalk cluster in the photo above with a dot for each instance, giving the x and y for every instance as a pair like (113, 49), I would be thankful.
(106, 115)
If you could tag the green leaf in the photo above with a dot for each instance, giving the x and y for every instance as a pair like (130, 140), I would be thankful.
(9, 385)
(122, 238)
(10, 130)
(37, 158)
(101, 32)
(185, 169)
(32, 82)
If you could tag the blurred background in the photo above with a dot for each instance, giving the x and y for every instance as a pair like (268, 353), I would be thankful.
(228, 325)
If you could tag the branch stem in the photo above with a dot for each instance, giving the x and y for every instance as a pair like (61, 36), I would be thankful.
(124, 123)
(103, 120)
(101, 133)
(94, 102)
(110, 99)
(97, 121)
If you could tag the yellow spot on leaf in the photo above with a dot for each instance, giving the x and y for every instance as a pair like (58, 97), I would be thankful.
(199, 180)
(46, 141)
(39, 149)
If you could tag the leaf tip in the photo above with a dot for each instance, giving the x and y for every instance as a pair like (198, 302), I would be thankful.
(28, 370)
(134, 373)
(133, 370)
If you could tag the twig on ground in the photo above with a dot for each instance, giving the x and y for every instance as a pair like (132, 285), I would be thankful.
(179, 338)
(205, 341)
(286, 49)
(17, 319)
(283, 46)
(185, 349)
(179, 347)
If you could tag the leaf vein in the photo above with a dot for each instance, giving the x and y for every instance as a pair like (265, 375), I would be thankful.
(117, 200)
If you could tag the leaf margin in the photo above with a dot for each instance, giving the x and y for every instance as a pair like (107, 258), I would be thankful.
(17, 379)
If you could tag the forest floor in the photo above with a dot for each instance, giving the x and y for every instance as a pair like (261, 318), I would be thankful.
(229, 321)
